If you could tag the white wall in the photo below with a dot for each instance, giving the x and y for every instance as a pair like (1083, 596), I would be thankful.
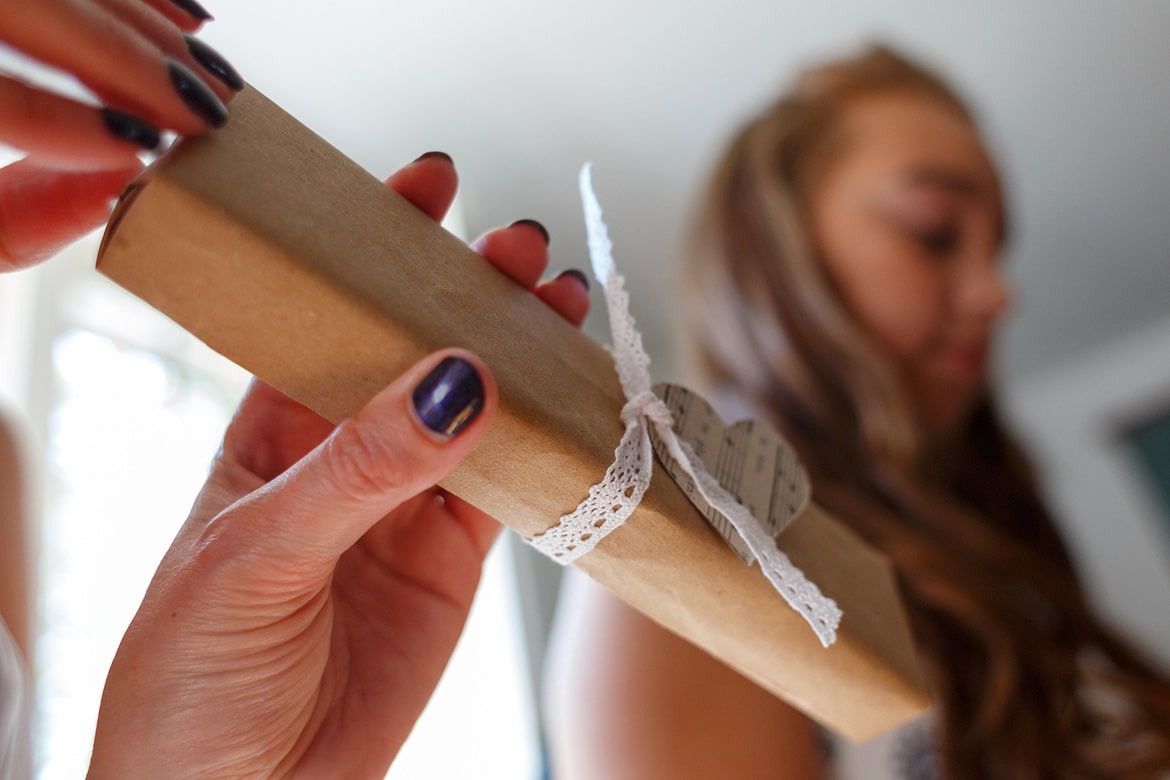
(1070, 416)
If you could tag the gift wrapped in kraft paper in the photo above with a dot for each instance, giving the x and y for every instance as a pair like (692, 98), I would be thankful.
(289, 259)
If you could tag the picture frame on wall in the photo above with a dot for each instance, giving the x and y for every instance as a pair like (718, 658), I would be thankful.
(1147, 443)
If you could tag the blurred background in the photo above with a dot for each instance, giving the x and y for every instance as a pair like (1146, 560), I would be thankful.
(123, 411)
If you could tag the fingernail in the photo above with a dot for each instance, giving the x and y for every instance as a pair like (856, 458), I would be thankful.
(193, 8)
(429, 155)
(130, 128)
(578, 275)
(534, 224)
(214, 62)
(197, 95)
(450, 397)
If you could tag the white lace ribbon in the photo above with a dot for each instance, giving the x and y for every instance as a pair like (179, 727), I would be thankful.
(615, 498)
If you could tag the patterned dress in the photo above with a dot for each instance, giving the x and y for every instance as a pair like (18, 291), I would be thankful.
(905, 753)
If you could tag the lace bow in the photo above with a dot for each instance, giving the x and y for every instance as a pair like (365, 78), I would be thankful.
(611, 502)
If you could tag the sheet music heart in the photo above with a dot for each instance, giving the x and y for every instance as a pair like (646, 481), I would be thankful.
(748, 458)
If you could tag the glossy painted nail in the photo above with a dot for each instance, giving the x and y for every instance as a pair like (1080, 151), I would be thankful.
(214, 62)
(450, 397)
(196, 94)
(578, 275)
(130, 128)
(532, 223)
(194, 9)
(428, 155)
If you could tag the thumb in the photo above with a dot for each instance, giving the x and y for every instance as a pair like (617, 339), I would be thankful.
(410, 436)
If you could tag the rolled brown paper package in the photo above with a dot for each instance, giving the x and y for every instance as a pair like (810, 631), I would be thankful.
(286, 257)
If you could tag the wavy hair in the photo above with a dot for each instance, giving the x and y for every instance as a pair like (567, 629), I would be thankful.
(1026, 681)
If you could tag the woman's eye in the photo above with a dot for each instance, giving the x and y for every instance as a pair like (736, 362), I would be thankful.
(942, 241)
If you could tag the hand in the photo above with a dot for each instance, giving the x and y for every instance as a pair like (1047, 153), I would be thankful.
(304, 613)
(141, 61)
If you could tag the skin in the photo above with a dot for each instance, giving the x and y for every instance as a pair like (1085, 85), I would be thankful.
(910, 225)
(626, 699)
(909, 222)
(302, 617)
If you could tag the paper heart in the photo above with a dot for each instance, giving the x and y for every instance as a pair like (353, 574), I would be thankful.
(749, 459)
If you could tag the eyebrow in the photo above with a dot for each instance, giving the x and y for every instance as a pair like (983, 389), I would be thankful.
(958, 184)
(951, 181)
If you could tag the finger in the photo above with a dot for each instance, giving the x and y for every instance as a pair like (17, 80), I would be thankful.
(182, 46)
(433, 543)
(481, 527)
(567, 295)
(404, 441)
(43, 210)
(429, 183)
(270, 432)
(187, 15)
(62, 132)
(519, 250)
(125, 68)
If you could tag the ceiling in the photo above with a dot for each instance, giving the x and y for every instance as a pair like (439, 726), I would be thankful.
(1074, 98)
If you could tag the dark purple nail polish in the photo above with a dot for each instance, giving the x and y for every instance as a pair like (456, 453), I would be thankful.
(196, 94)
(193, 8)
(450, 397)
(130, 128)
(428, 155)
(578, 275)
(532, 223)
(214, 62)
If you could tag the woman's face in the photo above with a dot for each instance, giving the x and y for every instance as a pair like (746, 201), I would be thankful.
(909, 220)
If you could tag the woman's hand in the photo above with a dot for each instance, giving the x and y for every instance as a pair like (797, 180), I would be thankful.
(150, 73)
(302, 618)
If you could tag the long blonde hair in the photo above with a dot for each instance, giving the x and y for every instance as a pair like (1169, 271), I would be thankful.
(1027, 682)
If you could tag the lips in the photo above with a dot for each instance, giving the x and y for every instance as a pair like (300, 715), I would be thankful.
(968, 361)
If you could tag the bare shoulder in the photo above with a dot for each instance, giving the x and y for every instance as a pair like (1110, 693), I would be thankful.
(629, 699)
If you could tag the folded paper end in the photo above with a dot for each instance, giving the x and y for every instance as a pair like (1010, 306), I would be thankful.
(121, 208)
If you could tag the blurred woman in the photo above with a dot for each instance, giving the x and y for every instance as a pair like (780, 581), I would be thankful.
(844, 282)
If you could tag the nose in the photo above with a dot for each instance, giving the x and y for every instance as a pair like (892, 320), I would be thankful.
(985, 293)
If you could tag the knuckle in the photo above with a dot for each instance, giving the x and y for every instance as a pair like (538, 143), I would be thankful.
(365, 462)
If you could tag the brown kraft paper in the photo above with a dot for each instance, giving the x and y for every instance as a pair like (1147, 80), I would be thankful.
(289, 259)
